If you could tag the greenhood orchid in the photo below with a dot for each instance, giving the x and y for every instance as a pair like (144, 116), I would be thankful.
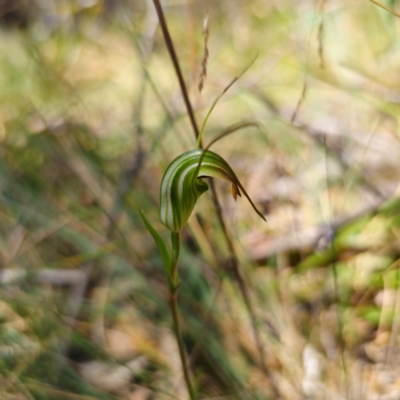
(183, 184)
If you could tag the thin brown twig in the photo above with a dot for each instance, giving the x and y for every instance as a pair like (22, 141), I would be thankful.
(321, 44)
(242, 287)
(171, 50)
(305, 86)
(320, 35)
(385, 8)
(204, 60)
(300, 102)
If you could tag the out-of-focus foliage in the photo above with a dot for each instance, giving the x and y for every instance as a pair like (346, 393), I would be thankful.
(90, 116)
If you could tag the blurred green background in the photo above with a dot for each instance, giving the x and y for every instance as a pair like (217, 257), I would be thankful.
(91, 114)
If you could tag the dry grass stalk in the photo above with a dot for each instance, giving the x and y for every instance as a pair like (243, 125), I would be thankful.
(300, 102)
(204, 60)
(385, 8)
(321, 44)
(320, 35)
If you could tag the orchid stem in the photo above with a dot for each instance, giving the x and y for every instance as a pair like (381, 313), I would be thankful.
(173, 302)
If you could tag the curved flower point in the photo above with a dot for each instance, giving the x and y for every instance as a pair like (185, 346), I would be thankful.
(182, 185)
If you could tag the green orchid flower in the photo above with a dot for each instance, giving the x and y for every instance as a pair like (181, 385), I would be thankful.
(183, 184)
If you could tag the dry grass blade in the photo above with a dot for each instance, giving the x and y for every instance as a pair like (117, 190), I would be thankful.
(299, 103)
(320, 36)
(204, 60)
(385, 8)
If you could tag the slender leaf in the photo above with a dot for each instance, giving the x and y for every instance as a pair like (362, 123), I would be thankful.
(166, 255)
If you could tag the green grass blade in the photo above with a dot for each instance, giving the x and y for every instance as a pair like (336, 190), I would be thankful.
(159, 241)
(236, 78)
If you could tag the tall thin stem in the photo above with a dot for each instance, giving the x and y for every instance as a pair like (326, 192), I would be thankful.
(173, 303)
(342, 342)
(171, 50)
(243, 289)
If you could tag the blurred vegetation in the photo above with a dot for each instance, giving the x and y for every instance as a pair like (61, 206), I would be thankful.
(91, 115)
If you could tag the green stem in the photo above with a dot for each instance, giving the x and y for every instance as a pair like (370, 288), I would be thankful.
(176, 250)
(206, 119)
(173, 302)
